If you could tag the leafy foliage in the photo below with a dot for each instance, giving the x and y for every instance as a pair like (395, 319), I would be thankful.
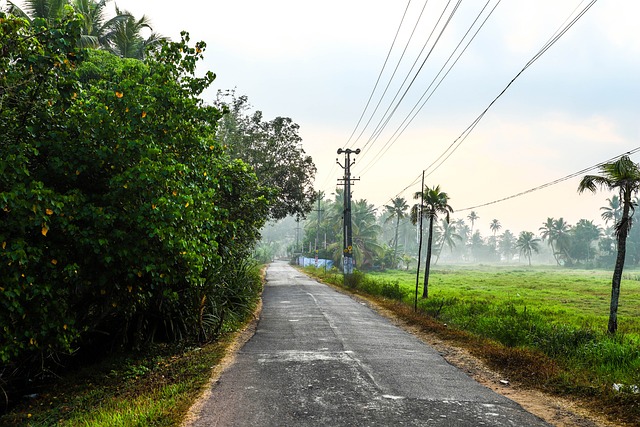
(36, 86)
(273, 149)
(122, 219)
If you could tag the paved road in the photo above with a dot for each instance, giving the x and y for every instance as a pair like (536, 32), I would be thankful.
(320, 358)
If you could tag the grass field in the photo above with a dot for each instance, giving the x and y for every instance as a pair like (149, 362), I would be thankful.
(576, 298)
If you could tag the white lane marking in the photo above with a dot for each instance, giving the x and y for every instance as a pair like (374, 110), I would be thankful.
(389, 396)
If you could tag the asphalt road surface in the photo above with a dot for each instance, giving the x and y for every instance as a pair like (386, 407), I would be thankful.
(320, 358)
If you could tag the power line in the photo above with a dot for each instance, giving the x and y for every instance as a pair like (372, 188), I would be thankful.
(404, 51)
(554, 182)
(409, 118)
(376, 86)
(388, 115)
(380, 74)
(463, 136)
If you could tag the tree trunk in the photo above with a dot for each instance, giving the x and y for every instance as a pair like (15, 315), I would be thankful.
(555, 255)
(395, 244)
(427, 266)
(439, 253)
(617, 271)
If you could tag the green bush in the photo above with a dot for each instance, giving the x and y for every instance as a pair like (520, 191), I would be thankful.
(122, 219)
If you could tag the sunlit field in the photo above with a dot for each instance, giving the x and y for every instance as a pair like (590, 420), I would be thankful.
(578, 298)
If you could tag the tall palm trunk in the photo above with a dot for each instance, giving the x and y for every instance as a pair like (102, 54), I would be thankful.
(427, 266)
(395, 244)
(623, 231)
(553, 249)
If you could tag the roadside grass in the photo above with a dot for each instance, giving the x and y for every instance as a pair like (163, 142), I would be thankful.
(579, 298)
(541, 327)
(154, 388)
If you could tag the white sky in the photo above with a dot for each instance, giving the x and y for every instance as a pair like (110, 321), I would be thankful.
(317, 62)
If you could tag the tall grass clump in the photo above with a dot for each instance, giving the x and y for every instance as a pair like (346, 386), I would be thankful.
(612, 359)
(390, 289)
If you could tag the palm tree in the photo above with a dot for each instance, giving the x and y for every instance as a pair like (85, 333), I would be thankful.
(398, 210)
(495, 226)
(506, 244)
(622, 175)
(435, 202)
(97, 30)
(127, 40)
(365, 233)
(561, 235)
(613, 211)
(547, 233)
(584, 234)
(527, 243)
(448, 237)
(473, 216)
(45, 9)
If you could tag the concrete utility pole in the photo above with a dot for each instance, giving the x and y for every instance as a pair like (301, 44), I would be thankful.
(347, 262)
(320, 195)
(297, 235)
(420, 212)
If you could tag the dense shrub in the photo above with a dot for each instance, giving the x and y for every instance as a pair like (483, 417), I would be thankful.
(122, 218)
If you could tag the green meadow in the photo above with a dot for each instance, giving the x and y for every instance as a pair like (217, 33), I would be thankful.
(564, 297)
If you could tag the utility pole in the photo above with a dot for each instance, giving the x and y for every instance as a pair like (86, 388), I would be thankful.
(318, 210)
(297, 235)
(347, 251)
(420, 212)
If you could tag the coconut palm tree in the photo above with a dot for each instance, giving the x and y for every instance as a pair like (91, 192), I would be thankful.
(127, 40)
(473, 217)
(97, 31)
(45, 9)
(561, 235)
(447, 237)
(435, 202)
(584, 234)
(622, 175)
(527, 243)
(547, 233)
(613, 211)
(506, 244)
(398, 210)
(495, 226)
(365, 233)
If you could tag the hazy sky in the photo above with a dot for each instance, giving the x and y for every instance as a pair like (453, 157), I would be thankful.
(318, 62)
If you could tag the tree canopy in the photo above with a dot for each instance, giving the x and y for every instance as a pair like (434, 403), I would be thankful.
(123, 217)
(273, 149)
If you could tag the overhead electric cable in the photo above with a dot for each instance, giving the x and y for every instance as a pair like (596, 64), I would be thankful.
(394, 72)
(388, 115)
(553, 39)
(381, 71)
(463, 136)
(333, 167)
(554, 182)
(415, 110)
